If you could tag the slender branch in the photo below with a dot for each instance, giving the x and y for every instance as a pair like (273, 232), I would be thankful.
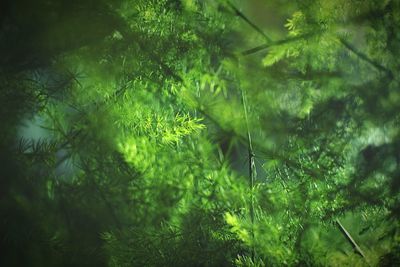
(262, 149)
(366, 58)
(349, 238)
(248, 21)
(275, 43)
(270, 43)
(110, 208)
(252, 168)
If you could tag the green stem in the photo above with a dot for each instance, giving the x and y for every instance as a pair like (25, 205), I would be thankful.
(248, 21)
(366, 58)
(349, 238)
(252, 170)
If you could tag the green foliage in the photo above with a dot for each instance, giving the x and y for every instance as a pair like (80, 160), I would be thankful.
(177, 133)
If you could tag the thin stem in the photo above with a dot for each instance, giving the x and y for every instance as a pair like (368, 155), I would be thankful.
(351, 240)
(248, 21)
(365, 58)
(252, 168)
(279, 42)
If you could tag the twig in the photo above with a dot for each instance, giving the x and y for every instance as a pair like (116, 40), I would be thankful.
(353, 243)
(366, 58)
(252, 168)
(279, 42)
(248, 21)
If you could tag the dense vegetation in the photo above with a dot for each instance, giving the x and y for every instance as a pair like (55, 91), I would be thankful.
(199, 133)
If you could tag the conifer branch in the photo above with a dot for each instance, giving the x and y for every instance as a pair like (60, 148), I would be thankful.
(248, 21)
(365, 58)
(252, 168)
(261, 148)
(349, 238)
(101, 194)
(275, 43)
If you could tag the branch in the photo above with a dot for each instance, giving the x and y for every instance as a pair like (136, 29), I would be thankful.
(366, 58)
(248, 21)
(351, 240)
(279, 42)
(252, 168)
